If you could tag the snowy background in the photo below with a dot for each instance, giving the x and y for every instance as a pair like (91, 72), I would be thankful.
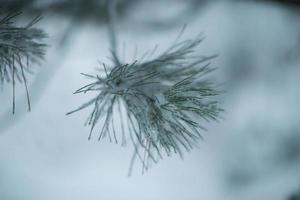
(253, 154)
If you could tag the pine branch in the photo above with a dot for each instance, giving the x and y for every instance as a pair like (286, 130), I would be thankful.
(19, 48)
(164, 99)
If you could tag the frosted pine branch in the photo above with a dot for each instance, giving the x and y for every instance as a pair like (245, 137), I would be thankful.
(165, 100)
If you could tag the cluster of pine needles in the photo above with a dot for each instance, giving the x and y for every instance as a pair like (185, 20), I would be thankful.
(163, 99)
(19, 46)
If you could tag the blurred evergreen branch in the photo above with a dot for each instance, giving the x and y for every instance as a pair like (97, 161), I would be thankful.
(19, 47)
(295, 196)
(81, 10)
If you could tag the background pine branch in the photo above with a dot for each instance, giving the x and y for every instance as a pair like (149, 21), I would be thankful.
(19, 48)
